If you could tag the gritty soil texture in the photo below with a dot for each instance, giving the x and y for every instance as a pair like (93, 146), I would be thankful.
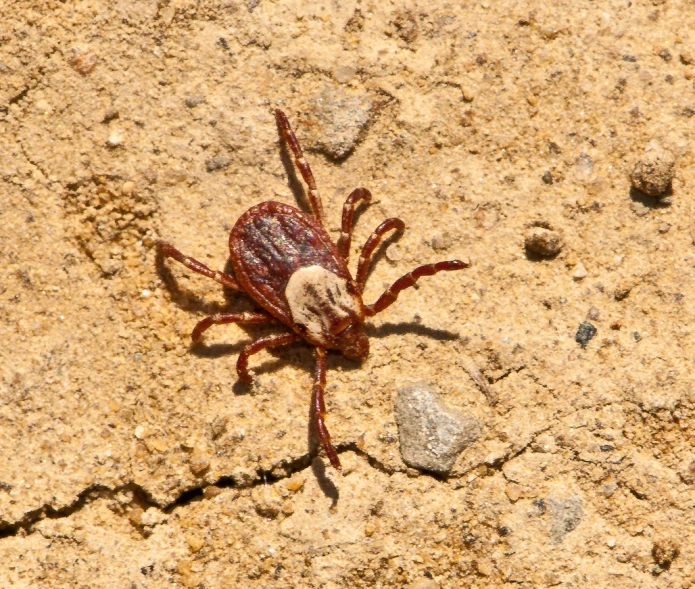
(131, 459)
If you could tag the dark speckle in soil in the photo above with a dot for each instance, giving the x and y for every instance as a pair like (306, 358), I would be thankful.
(585, 333)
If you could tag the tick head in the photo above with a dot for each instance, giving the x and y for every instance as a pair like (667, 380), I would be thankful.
(327, 311)
(353, 342)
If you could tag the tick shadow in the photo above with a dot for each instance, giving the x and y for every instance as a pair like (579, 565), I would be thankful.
(326, 485)
(380, 252)
(403, 328)
(295, 354)
(293, 181)
(189, 301)
(652, 202)
(211, 351)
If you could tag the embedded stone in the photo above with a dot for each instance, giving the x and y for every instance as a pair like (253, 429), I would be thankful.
(653, 173)
(431, 433)
(544, 242)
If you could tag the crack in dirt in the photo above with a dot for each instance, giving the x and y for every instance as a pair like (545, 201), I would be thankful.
(502, 460)
(44, 173)
(86, 497)
(40, 74)
(143, 498)
(506, 373)
(19, 97)
(374, 462)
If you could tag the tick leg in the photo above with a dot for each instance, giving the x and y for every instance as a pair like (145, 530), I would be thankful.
(348, 213)
(271, 341)
(301, 163)
(371, 244)
(168, 250)
(319, 408)
(222, 318)
(409, 280)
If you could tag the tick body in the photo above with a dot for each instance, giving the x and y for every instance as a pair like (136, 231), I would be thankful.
(286, 261)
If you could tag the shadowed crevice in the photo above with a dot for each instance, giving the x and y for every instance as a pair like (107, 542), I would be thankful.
(144, 499)
(140, 496)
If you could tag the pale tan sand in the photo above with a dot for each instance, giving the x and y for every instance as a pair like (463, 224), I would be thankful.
(123, 122)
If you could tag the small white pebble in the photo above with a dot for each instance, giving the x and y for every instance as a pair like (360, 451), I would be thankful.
(145, 293)
(128, 187)
(579, 272)
(139, 432)
(43, 107)
(115, 138)
(610, 542)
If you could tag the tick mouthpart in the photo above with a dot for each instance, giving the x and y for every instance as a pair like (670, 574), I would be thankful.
(457, 265)
(353, 342)
(340, 325)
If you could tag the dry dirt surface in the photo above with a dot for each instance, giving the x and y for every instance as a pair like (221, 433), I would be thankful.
(502, 133)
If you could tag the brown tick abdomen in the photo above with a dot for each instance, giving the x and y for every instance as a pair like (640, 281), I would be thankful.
(269, 243)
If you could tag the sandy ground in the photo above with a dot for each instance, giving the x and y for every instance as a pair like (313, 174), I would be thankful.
(130, 459)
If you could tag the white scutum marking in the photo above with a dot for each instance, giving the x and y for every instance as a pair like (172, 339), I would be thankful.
(307, 294)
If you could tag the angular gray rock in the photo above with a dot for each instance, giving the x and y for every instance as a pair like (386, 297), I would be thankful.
(565, 515)
(431, 433)
(338, 118)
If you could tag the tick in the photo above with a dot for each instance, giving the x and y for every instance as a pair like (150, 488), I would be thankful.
(286, 261)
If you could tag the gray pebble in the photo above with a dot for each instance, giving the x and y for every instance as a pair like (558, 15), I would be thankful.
(544, 242)
(593, 314)
(584, 165)
(653, 173)
(431, 434)
(339, 116)
(565, 515)
(217, 162)
(193, 100)
(585, 333)
(441, 241)
(344, 74)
